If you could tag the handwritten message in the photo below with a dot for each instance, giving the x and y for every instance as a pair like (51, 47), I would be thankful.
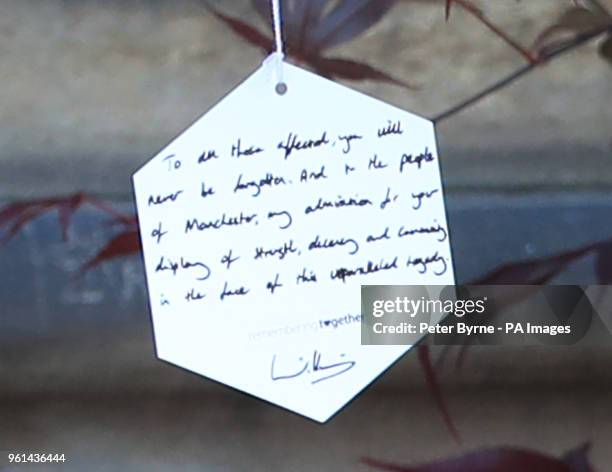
(269, 213)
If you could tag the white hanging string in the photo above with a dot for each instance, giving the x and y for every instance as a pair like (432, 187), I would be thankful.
(279, 54)
(278, 32)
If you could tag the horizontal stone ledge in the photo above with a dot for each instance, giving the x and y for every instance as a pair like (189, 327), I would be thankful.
(126, 364)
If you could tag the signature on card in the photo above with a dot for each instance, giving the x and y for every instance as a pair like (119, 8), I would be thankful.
(315, 368)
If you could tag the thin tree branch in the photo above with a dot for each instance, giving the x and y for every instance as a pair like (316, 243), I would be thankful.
(542, 59)
(480, 95)
(474, 11)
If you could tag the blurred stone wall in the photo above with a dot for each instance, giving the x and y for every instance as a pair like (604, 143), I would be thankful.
(92, 89)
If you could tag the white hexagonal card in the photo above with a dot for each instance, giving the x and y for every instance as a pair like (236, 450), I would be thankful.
(261, 221)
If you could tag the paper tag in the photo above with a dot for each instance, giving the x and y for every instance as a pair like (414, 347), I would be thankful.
(260, 223)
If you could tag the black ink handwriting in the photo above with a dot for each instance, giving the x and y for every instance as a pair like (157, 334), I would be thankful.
(306, 277)
(227, 292)
(158, 233)
(306, 176)
(384, 235)
(281, 252)
(388, 199)
(274, 214)
(206, 191)
(314, 367)
(237, 150)
(418, 160)
(225, 220)
(376, 164)
(317, 243)
(391, 128)
(269, 180)
(272, 286)
(192, 296)
(159, 200)
(168, 265)
(340, 202)
(293, 143)
(420, 196)
(173, 164)
(207, 156)
(228, 259)
(347, 141)
(423, 262)
(424, 230)
(343, 273)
